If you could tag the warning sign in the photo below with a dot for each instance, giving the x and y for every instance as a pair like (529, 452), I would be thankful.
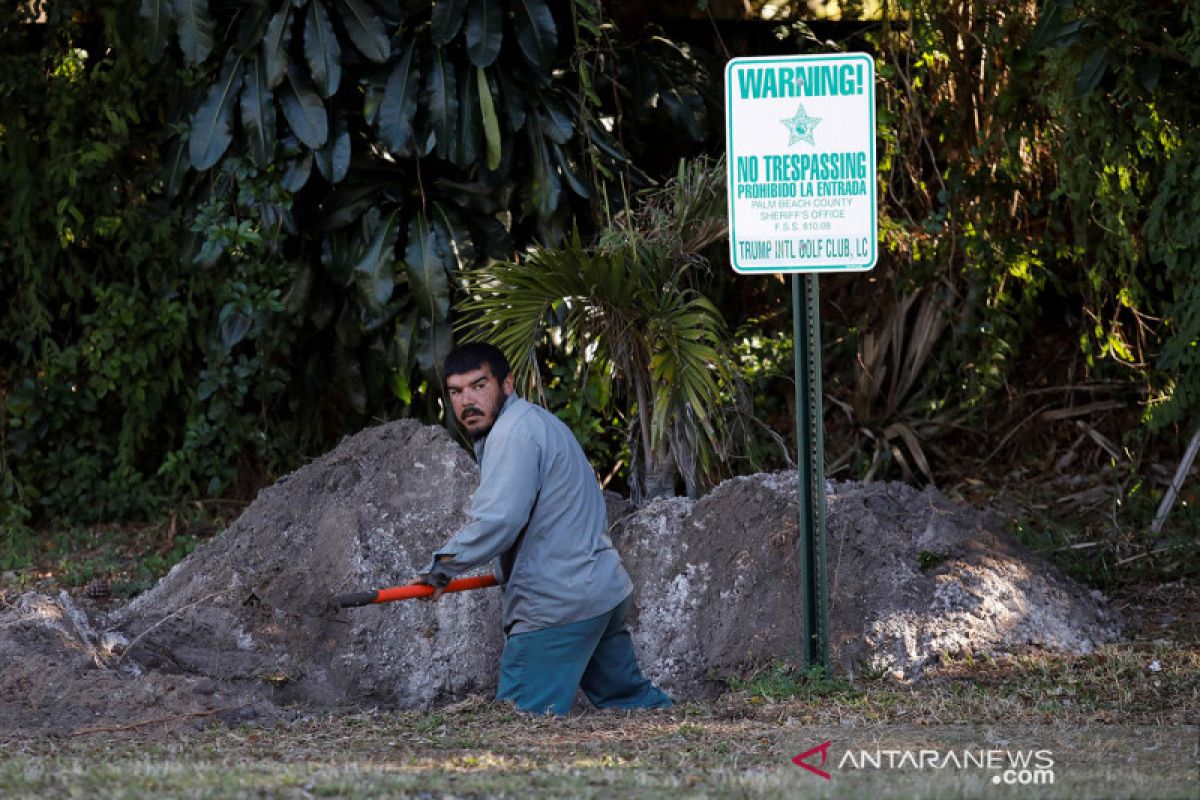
(801, 155)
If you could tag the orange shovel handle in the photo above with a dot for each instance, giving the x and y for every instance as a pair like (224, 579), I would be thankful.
(410, 591)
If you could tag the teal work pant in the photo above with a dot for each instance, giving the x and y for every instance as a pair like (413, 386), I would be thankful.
(540, 670)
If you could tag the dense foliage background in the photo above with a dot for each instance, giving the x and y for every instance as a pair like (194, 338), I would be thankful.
(233, 232)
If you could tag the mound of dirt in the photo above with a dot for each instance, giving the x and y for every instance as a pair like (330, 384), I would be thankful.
(246, 620)
(253, 605)
(912, 575)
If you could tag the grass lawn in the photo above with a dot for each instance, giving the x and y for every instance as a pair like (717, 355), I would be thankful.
(1119, 723)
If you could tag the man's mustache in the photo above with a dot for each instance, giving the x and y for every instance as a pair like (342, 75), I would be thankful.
(472, 411)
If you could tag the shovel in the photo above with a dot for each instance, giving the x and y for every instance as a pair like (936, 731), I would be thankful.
(410, 591)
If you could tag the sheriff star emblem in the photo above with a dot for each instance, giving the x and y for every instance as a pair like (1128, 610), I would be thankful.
(800, 127)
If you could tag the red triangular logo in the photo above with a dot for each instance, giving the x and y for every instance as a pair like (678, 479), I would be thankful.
(823, 749)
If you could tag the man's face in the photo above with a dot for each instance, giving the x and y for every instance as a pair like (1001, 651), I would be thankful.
(477, 398)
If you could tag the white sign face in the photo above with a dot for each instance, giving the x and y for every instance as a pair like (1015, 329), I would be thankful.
(801, 153)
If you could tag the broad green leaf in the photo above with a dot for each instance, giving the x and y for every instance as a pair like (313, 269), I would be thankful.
(156, 16)
(233, 325)
(211, 250)
(374, 272)
(303, 109)
(1148, 69)
(469, 131)
(400, 104)
(587, 86)
(333, 160)
(536, 35)
(554, 122)
(425, 258)
(178, 164)
(290, 146)
(365, 30)
(1092, 72)
(296, 172)
(275, 45)
(441, 98)
(456, 235)
(544, 187)
(258, 114)
(401, 356)
(604, 143)
(1051, 30)
(570, 172)
(195, 29)
(425, 139)
(321, 50)
(485, 29)
(212, 125)
(253, 19)
(433, 345)
(445, 20)
(491, 125)
(405, 338)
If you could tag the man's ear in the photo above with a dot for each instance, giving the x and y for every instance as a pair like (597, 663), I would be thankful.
(508, 384)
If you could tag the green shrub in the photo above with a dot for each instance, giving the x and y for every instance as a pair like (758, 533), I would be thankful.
(129, 376)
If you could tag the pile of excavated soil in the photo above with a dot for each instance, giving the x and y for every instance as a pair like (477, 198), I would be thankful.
(912, 575)
(253, 605)
(244, 625)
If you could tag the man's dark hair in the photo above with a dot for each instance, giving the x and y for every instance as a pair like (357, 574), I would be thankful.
(473, 355)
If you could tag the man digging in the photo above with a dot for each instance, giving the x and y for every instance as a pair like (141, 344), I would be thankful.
(540, 514)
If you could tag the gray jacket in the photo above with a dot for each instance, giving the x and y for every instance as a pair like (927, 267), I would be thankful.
(540, 515)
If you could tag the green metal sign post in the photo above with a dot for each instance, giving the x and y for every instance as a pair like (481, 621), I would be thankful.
(810, 466)
(801, 192)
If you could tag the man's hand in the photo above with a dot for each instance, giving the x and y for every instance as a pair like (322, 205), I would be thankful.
(425, 579)
(438, 582)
